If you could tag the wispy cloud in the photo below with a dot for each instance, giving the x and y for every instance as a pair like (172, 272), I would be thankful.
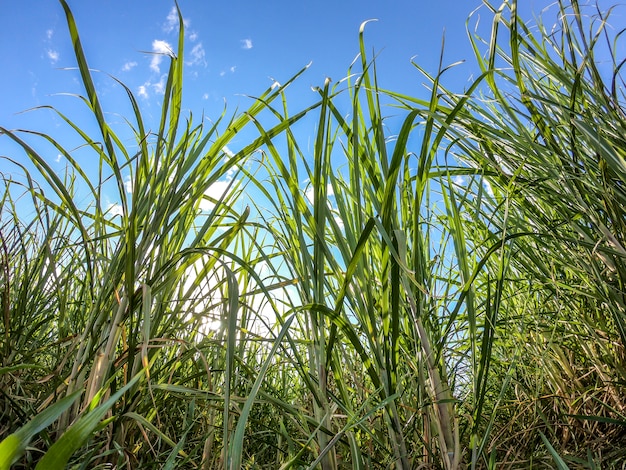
(159, 87)
(231, 69)
(215, 192)
(246, 43)
(310, 192)
(220, 189)
(193, 36)
(142, 91)
(228, 151)
(171, 21)
(115, 209)
(488, 187)
(459, 180)
(52, 55)
(160, 48)
(338, 219)
(129, 66)
(128, 184)
(198, 55)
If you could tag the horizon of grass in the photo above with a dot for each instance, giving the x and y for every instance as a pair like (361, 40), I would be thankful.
(448, 296)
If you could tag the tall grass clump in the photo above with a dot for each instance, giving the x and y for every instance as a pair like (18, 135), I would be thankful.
(106, 309)
(442, 288)
(356, 222)
(470, 261)
(542, 208)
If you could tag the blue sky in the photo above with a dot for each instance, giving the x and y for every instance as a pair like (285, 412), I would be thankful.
(233, 49)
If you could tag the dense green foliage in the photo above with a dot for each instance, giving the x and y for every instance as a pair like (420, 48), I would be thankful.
(449, 296)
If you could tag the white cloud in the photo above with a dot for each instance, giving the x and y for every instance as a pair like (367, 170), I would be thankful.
(205, 96)
(459, 180)
(228, 151)
(193, 36)
(142, 91)
(129, 66)
(198, 55)
(338, 220)
(488, 187)
(246, 43)
(310, 192)
(154, 63)
(115, 209)
(52, 55)
(128, 185)
(49, 33)
(159, 48)
(162, 47)
(171, 21)
(231, 70)
(216, 191)
(159, 87)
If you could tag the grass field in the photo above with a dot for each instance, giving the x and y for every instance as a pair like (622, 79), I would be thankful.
(448, 296)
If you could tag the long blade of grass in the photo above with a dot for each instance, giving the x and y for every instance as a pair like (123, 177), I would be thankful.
(12, 447)
(59, 453)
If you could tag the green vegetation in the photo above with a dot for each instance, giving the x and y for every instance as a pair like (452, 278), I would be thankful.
(451, 296)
